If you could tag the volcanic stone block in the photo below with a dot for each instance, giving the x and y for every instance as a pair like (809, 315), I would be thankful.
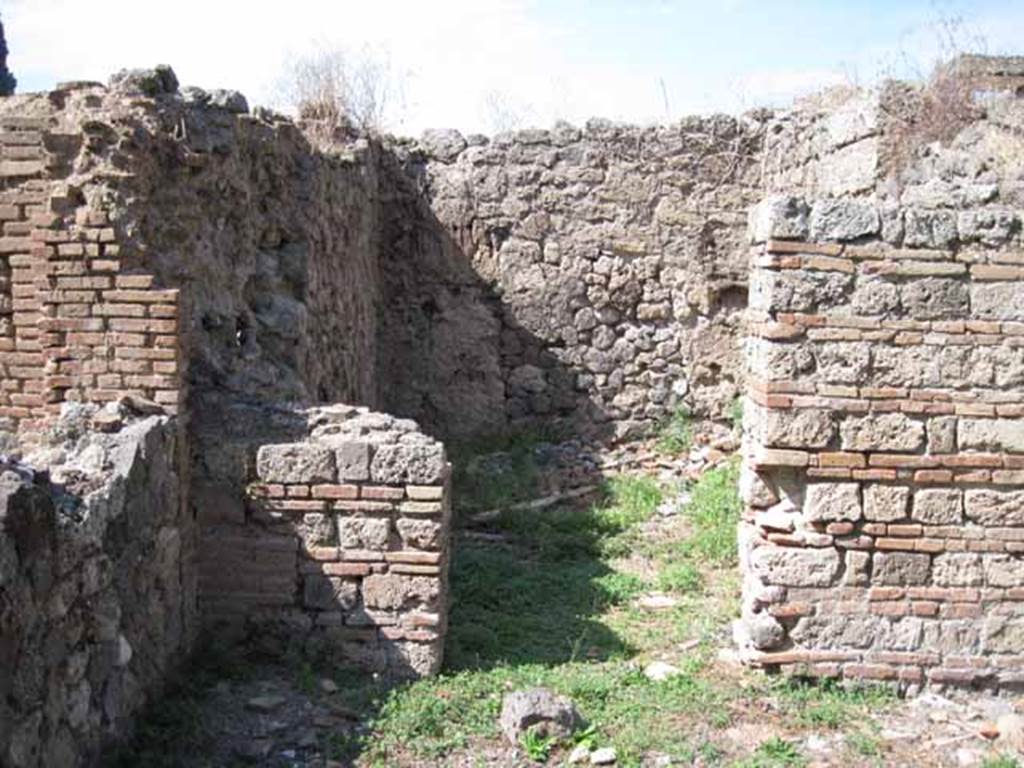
(804, 428)
(990, 507)
(942, 434)
(795, 567)
(843, 219)
(938, 506)
(1003, 570)
(958, 569)
(327, 593)
(991, 435)
(935, 298)
(420, 464)
(832, 502)
(881, 432)
(295, 463)
(778, 217)
(353, 459)
(393, 592)
(998, 301)
(885, 503)
(363, 532)
(419, 534)
(901, 568)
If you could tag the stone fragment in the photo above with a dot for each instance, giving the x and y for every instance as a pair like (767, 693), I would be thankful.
(540, 711)
(660, 670)
(885, 503)
(843, 220)
(881, 432)
(957, 569)
(295, 463)
(408, 463)
(763, 631)
(795, 567)
(266, 703)
(831, 502)
(901, 569)
(938, 506)
(942, 434)
(445, 144)
(858, 565)
(754, 489)
(604, 756)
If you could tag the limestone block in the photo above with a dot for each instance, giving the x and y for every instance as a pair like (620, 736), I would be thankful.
(885, 503)
(843, 220)
(958, 569)
(408, 463)
(1003, 571)
(991, 435)
(881, 432)
(295, 463)
(850, 169)
(363, 532)
(842, 631)
(778, 217)
(795, 567)
(942, 434)
(994, 508)
(936, 298)
(990, 226)
(831, 502)
(938, 506)
(901, 568)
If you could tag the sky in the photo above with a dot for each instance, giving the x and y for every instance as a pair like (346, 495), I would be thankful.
(488, 65)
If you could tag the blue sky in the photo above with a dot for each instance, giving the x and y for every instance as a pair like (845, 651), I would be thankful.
(479, 65)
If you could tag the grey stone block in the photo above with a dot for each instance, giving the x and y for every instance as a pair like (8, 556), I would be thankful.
(295, 463)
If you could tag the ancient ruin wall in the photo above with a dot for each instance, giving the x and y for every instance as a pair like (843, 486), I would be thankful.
(341, 549)
(97, 584)
(610, 266)
(882, 466)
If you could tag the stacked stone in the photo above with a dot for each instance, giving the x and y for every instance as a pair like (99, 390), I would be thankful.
(884, 452)
(73, 326)
(364, 500)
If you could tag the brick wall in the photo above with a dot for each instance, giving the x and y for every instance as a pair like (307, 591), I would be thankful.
(343, 543)
(73, 325)
(884, 455)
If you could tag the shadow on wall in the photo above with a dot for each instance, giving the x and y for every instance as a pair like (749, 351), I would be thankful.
(450, 353)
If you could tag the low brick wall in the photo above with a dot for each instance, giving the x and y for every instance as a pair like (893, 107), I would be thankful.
(344, 543)
(884, 459)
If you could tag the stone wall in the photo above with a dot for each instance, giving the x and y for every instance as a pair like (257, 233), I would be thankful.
(613, 265)
(97, 583)
(884, 442)
(343, 542)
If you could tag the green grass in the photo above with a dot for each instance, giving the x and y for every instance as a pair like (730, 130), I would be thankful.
(675, 436)
(828, 704)
(1001, 761)
(774, 753)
